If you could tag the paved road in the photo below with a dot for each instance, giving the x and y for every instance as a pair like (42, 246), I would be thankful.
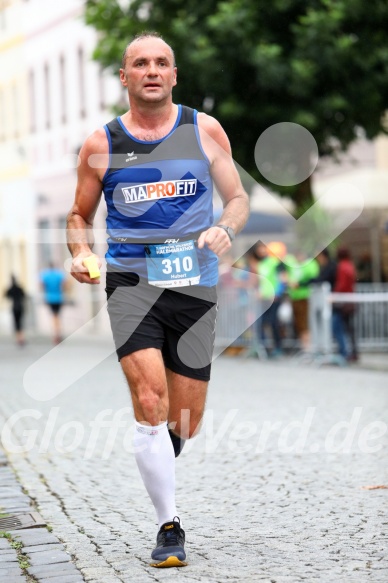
(272, 490)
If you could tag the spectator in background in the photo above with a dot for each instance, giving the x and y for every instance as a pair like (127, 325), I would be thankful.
(272, 286)
(343, 313)
(301, 271)
(327, 269)
(237, 275)
(17, 296)
(53, 284)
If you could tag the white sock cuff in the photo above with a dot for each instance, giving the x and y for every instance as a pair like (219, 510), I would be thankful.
(149, 429)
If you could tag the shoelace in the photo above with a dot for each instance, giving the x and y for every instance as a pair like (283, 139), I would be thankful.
(171, 537)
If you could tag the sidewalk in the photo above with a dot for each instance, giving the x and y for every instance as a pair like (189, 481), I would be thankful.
(28, 554)
(272, 490)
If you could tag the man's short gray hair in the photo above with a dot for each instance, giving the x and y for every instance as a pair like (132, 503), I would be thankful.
(141, 36)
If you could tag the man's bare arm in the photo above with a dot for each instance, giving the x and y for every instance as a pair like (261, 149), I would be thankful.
(227, 180)
(87, 198)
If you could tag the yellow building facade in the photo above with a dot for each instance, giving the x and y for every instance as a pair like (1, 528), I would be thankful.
(16, 196)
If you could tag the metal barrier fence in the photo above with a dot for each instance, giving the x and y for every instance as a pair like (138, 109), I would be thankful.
(371, 317)
(239, 322)
(239, 310)
(370, 303)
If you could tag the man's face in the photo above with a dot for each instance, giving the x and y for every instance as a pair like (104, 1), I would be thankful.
(149, 71)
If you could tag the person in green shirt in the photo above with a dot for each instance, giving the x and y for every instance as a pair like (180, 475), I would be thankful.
(301, 270)
(272, 287)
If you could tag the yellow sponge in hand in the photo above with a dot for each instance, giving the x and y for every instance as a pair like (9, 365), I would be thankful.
(92, 266)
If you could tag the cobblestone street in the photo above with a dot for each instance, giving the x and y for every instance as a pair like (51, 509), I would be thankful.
(272, 490)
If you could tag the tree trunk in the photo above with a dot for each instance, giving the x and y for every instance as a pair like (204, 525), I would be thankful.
(303, 196)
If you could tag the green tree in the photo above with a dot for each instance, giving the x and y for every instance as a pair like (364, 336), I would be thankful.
(253, 63)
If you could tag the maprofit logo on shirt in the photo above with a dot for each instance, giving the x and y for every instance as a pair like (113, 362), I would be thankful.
(156, 190)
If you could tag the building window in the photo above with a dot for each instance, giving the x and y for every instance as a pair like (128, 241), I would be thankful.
(32, 96)
(62, 73)
(63, 252)
(15, 108)
(47, 95)
(2, 115)
(44, 240)
(3, 22)
(81, 82)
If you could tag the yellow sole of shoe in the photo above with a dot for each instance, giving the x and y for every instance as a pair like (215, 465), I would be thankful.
(170, 562)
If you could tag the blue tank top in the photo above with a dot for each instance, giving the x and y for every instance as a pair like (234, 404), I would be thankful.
(157, 191)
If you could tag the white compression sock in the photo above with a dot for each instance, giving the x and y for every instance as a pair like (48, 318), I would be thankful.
(155, 458)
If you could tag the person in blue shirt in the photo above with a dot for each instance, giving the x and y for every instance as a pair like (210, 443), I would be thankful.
(156, 165)
(53, 284)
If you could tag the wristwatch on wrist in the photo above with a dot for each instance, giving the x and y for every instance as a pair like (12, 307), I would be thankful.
(229, 230)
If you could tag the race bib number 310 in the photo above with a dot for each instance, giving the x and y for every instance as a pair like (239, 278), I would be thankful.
(172, 264)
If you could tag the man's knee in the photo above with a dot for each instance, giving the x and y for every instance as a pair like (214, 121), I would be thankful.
(150, 406)
(187, 426)
(149, 401)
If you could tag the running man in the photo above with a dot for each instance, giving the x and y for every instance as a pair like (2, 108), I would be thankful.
(156, 165)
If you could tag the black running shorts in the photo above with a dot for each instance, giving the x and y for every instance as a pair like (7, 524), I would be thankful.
(55, 308)
(180, 323)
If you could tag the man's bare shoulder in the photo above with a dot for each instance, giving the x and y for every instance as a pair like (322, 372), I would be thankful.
(214, 129)
(94, 155)
(209, 123)
(96, 143)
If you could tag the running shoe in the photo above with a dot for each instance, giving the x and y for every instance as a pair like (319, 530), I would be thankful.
(169, 550)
